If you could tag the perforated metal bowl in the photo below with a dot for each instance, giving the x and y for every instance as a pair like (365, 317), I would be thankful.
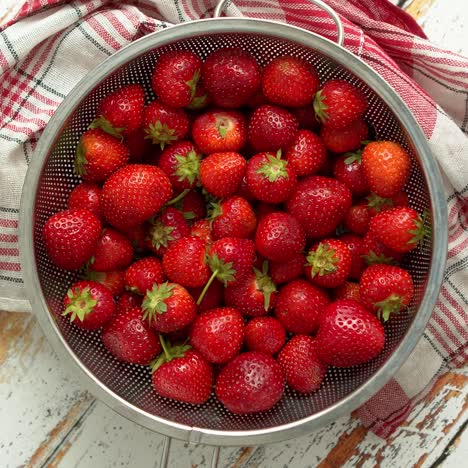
(127, 388)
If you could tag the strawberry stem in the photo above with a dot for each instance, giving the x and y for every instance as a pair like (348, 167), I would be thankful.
(275, 168)
(388, 306)
(153, 302)
(265, 285)
(81, 303)
(102, 123)
(320, 108)
(178, 198)
(322, 261)
(207, 286)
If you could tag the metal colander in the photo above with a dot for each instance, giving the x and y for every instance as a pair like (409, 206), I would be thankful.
(127, 388)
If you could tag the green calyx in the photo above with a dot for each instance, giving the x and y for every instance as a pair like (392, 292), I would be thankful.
(154, 301)
(102, 123)
(160, 134)
(198, 102)
(322, 261)
(320, 107)
(80, 159)
(353, 156)
(192, 84)
(224, 270)
(169, 353)
(81, 303)
(389, 306)
(214, 210)
(188, 167)
(159, 234)
(374, 259)
(264, 284)
(274, 168)
(222, 125)
(377, 202)
(422, 230)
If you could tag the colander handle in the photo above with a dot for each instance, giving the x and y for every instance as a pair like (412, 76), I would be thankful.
(222, 4)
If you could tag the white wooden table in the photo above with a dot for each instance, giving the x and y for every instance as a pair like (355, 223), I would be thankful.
(47, 419)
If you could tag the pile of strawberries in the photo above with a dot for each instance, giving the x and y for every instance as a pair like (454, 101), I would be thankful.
(240, 232)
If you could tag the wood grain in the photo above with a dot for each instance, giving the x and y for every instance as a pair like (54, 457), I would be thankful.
(418, 8)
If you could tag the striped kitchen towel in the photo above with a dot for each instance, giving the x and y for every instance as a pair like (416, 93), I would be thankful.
(51, 44)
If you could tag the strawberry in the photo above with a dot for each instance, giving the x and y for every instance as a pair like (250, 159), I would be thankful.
(328, 263)
(202, 229)
(213, 297)
(299, 306)
(200, 99)
(250, 383)
(182, 374)
(386, 289)
(348, 334)
(164, 125)
(138, 146)
(357, 218)
(254, 295)
(400, 229)
(233, 217)
(70, 237)
(356, 247)
(175, 77)
(98, 155)
(342, 140)
(184, 262)
(283, 272)
(192, 206)
(129, 338)
(231, 76)
(89, 304)
(113, 252)
(168, 307)
(339, 103)
(319, 204)
(347, 168)
(112, 280)
(271, 128)
(128, 301)
(386, 166)
(244, 190)
(121, 112)
(376, 204)
(279, 237)
(221, 173)
(86, 195)
(374, 251)
(168, 227)
(181, 163)
(143, 274)
(218, 334)
(219, 131)
(347, 290)
(290, 81)
(270, 178)
(264, 334)
(306, 154)
(303, 370)
(133, 194)
(306, 117)
(137, 236)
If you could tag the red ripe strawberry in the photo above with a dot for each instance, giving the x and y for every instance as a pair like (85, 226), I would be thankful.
(167, 228)
(374, 251)
(181, 163)
(70, 237)
(202, 229)
(299, 306)
(328, 263)
(306, 117)
(133, 194)
(221, 173)
(339, 103)
(168, 307)
(348, 335)
(387, 166)
(175, 77)
(112, 280)
(342, 140)
(200, 99)
(271, 128)
(113, 252)
(129, 338)
(357, 218)
(218, 334)
(184, 262)
(89, 304)
(86, 195)
(163, 124)
(283, 272)
(270, 178)
(386, 289)
(400, 229)
(376, 204)
(254, 295)
(143, 274)
(347, 168)
(356, 247)
(231, 76)
(182, 374)
(128, 301)
(319, 204)
(347, 290)
(121, 112)
(265, 334)
(303, 370)
(279, 237)
(219, 131)
(307, 153)
(213, 297)
(98, 155)
(233, 217)
(250, 383)
(192, 206)
(138, 146)
(289, 81)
